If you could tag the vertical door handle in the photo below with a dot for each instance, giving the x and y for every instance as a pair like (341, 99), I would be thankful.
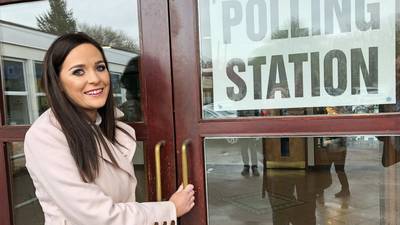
(157, 150)
(185, 169)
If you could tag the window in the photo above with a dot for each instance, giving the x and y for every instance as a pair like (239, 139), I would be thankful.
(16, 93)
(118, 91)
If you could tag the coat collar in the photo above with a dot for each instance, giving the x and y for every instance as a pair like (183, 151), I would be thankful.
(118, 114)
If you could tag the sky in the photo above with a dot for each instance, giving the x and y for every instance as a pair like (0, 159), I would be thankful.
(119, 14)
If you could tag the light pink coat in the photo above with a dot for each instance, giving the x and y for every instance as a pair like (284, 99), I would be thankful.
(67, 200)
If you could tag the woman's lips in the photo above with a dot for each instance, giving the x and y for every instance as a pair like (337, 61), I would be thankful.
(94, 92)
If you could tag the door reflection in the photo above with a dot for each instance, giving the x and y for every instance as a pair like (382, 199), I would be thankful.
(293, 194)
(334, 151)
(346, 184)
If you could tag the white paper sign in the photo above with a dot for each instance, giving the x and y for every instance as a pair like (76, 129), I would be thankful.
(302, 53)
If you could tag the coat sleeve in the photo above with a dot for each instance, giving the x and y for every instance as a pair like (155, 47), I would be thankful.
(51, 165)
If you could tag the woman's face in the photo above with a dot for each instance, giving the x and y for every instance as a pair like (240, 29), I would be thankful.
(85, 79)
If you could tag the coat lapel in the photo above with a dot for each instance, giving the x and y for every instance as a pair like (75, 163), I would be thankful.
(120, 153)
(123, 162)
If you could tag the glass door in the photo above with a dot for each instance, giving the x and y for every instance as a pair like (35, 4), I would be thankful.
(290, 109)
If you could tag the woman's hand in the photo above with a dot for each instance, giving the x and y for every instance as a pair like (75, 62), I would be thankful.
(183, 199)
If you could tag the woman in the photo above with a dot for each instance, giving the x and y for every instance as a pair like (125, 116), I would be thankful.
(78, 155)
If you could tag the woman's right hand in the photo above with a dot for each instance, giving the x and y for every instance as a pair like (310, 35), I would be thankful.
(183, 199)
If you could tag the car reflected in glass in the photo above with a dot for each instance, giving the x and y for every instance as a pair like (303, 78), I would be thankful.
(210, 113)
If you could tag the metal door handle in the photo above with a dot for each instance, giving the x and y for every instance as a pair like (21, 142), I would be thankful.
(185, 171)
(157, 150)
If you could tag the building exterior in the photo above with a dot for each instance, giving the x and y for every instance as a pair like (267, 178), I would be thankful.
(23, 50)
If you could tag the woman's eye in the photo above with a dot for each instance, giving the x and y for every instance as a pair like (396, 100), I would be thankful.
(78, 72)
(101, 68)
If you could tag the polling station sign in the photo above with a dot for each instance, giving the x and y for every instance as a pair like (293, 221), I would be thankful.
(302, 53)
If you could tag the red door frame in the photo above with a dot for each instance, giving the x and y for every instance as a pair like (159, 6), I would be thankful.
(157, 103)
(156, 78)
(187, 108)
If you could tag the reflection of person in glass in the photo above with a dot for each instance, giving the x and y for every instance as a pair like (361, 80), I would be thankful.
(292, 196)
(248, 145)
(79, 155)
(130, 81)
(337, 150)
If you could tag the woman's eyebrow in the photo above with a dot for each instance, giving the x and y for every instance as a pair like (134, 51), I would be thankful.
(82, 65)
(76, 66)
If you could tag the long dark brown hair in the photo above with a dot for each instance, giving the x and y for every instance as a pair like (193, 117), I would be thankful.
(84, 138)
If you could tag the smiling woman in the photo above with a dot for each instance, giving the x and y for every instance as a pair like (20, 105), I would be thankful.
(79, 155)
(85, 78)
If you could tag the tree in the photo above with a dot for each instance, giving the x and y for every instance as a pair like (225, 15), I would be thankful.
(106, 36)
(58, 20)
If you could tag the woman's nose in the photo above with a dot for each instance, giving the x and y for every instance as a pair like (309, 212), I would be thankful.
(93, 77)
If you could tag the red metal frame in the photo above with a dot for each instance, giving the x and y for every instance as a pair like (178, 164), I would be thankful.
(186, 82)
(383, 124)
(156, 79)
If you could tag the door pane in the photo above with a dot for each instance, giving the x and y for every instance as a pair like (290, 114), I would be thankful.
(140, 173)
(115, 80)
(26, 208)
(43, 105)
(28, 30)
(39, 77)
(298, 56)
(17, 110)
(130, 84)
(303, 180)
(14, 75)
